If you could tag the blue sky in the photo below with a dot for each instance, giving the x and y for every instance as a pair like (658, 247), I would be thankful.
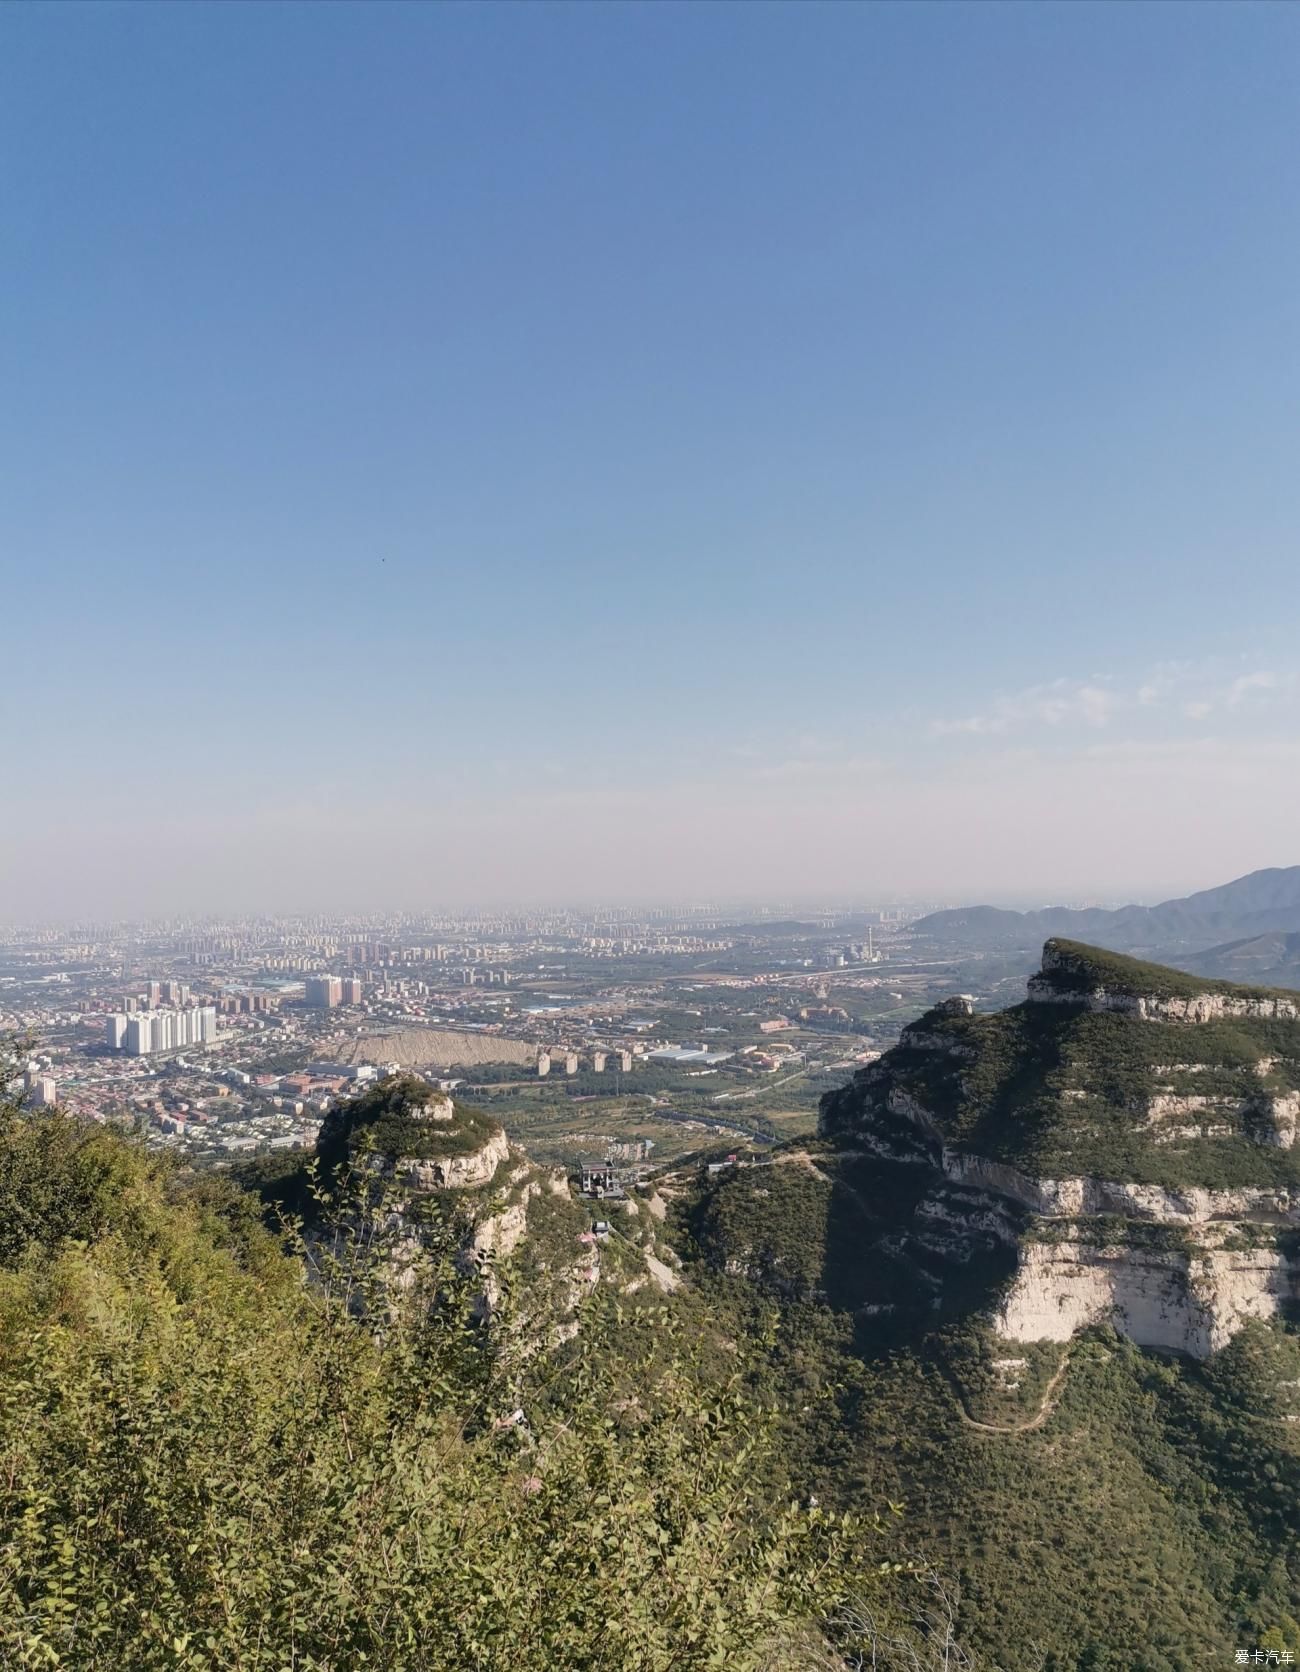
(525, 452)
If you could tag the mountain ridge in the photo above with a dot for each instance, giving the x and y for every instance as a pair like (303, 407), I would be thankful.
(1194, 925)
(1127, 1133)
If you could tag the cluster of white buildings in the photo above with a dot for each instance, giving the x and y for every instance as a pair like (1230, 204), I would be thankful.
(149, 1031)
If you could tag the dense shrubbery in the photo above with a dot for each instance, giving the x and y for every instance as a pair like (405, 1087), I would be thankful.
(206, 1462)
(1151, 1524)
(767, 1223)
(60, 1181)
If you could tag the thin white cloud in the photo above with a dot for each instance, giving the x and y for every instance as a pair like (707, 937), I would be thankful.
(1247, 685)
(1098, 705)
(1183, 690)
(824, 767)
(1092, 702)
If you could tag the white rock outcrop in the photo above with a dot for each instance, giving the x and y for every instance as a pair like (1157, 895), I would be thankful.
(1048, 988)
(1197, 1007)
(1073, 1198)
(501, 1233)
(1182, 1268)
(436, 1108)
(1190, 1300)
(1278, 1120)
(1182, 1302)
(453, 1172)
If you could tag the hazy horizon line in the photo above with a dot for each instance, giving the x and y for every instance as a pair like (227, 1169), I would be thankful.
(736, 907)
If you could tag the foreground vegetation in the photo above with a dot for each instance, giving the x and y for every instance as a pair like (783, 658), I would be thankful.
(207, 1462)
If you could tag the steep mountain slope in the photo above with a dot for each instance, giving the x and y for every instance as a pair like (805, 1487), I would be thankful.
(1262, 902)
(1128, 1133)
(971, 1267)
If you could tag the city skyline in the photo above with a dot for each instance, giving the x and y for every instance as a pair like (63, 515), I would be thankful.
(643, 453)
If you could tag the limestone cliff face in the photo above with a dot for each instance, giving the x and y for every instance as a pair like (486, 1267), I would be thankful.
(432, 1167)
(453, 1172)
(1193, 1301)
(501, 1229)
(1070, 1198)
(1135, 1149)
(499, 1234)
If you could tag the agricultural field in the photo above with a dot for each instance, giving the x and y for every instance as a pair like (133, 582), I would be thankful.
(561, 1123)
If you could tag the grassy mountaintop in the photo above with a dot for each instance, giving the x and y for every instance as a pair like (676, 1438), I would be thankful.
(1061, 1091)
(1080, 967)
(389, 1118)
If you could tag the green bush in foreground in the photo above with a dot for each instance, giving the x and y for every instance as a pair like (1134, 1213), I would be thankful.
(206, 1462)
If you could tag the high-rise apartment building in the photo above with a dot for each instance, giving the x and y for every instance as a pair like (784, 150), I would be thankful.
(323, 992)
(43, 1090)
(115, 1032)
(352, 991)
(151, 1031)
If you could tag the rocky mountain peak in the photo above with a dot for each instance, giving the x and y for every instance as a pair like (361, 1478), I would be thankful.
(401, 1125)
(1137, 1168)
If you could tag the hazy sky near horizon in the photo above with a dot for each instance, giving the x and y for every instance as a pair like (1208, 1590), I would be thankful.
(511, 453)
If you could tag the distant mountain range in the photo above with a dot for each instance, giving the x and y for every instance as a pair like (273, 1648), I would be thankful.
(1247, 930)
(1271, 960)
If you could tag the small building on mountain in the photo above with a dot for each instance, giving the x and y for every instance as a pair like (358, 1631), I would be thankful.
(599, 1178)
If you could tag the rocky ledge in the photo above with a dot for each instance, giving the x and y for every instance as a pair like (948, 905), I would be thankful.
(1080, 975)
(452, 1172)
